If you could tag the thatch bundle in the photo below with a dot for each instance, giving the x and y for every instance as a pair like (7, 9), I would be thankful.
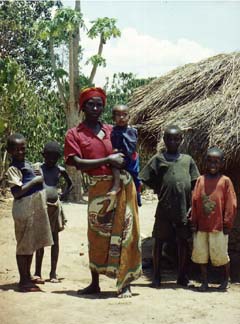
(202, 98)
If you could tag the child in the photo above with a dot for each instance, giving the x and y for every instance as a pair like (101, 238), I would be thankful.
(124, 140)
(32, 228)
(172, 176)
(213, 211)
(51, 174)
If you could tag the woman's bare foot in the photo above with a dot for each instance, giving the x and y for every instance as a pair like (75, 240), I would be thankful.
(28, 287)
(89, 290)
(125, 292)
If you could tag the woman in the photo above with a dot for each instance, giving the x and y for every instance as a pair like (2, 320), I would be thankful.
(113, 227)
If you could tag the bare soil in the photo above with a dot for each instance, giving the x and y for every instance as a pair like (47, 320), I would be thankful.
(60, 304)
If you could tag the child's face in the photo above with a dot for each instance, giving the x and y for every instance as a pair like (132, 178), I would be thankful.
(172, 140)
(18, 150)
(213, 163)
(121, 116)
(51, 158)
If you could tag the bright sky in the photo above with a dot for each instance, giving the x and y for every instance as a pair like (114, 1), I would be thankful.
(158, 36)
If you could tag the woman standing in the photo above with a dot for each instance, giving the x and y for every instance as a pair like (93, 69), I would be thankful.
(113, 226)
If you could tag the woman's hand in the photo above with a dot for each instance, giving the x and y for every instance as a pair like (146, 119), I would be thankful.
(116, 160)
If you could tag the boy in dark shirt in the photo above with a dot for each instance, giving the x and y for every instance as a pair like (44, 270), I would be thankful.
(172, 176)
(52, 173)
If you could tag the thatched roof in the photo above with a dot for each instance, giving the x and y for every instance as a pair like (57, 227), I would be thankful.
(202, 98)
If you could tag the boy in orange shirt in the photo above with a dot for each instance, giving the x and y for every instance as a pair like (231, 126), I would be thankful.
(213, 211)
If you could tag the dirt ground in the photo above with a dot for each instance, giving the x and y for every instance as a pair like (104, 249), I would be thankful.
(59, 303)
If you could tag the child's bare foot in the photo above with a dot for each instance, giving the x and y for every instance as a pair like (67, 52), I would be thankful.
(89, 290)
(54, 280)
(37, 280)
(125, 292)
(156, 283)
(83, 202)
(203, 287)
(224, 285)
(113, 192)
(183, 281)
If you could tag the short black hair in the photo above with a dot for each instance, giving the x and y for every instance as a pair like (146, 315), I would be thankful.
(11, 140)
(115, 107)
(217, 151)
(172, 127)
(52, 146)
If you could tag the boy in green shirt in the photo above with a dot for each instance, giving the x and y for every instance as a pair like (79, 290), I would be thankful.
(172, 176)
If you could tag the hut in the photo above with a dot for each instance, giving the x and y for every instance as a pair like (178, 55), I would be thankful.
(204, 100)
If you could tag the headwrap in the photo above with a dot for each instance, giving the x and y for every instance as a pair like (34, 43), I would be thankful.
(88, 93)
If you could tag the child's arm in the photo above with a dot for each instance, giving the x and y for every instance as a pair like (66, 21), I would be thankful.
(18, 192)
(149, 174)
(129, 141)
(14, 177)
(192, 220)
(68, 180)
(230, 207)
(193, 213)
(194, 173)
(193, 183)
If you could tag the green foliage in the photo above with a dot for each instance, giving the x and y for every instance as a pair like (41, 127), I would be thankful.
(119, 91)
(104, 27)
(61, 26)
(18, 37)
(60, 73)
(39, 117)
(97, 59)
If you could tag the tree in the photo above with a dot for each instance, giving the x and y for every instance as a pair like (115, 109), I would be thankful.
(18, 37)
(64, 28)
(30, 34)
(105, 29)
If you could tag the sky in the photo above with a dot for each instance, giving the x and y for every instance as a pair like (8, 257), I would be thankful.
(158, 36)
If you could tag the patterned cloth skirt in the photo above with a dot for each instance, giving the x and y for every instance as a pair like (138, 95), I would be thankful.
(32, 226)
(113, 230)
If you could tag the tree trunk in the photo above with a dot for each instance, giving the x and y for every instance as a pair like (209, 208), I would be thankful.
(94, 68)
(72, 109)
(76, 195)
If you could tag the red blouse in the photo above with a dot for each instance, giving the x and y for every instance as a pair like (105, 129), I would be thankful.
(81, 141)
(213, 204)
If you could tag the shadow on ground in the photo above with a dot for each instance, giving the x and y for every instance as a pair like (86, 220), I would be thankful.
(169, 264)
(102, 295)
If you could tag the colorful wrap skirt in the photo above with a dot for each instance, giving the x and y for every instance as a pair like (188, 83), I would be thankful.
(113, 230)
